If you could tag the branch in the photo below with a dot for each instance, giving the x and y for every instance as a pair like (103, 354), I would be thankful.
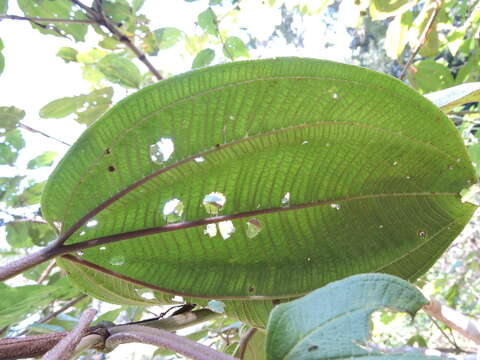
(46, 272)
(47, 20)
(162, 338)
(65, 347)
(423, 37)
(59, 311)
(37, 345)
(242, 348)
(26, 127)
(453, 319)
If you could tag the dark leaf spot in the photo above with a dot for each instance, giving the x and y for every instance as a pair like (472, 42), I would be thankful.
(107, 151)
(111, 168)
(312, 348)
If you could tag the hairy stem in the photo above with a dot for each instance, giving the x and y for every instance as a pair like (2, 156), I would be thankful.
(162, 338)
(65, 347)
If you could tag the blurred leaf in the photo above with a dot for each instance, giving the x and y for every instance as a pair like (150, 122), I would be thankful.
(91, 56)
(432, 43)
(448, 99)
(203, 58)
(382, 9)
(117, 10)
(207, 20)
(167, 37)
(2, 58)
(455, 40)
(68, 54)
(9, 186)
(8, 155)
(137, 5)
(333, 321)
(109, 316)
(3, 6)
(45, 328)
(60, 108)
(61, 9)
(97, 102)
(15, 139)
(417, 340)
(10, 116)
(234, 48)
(470, 71)
(255, 349)
(120, 70)
(214, 2)
(30, 196)
(431, 76)
(109, 43)
(17, 302)
(45, 159)
(474, 152)
(396, 37)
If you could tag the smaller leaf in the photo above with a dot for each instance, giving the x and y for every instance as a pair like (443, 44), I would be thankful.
(450, 98)
(120, 70)
(62, 107)
(234, 48)
(68, 54)
(431, 76)
(208, 21)
(137, 5)
(7, 154)
(203, 58)
(333, 321)
(214, 2)
(45, 159)
(167, 37)
(3, 6)
(10, 116)
(15, 139)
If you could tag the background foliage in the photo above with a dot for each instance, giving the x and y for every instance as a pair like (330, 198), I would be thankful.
(432, 45)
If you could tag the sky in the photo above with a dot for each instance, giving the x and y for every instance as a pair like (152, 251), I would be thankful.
(34, 75)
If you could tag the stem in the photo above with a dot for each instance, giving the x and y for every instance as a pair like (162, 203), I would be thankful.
(423, 37)
(453, 319)
(162, 338)
(59, 311)
(242, 348)
(46, 272)
(27, 262)
(65, 347)
(26, 127)
(47, 20)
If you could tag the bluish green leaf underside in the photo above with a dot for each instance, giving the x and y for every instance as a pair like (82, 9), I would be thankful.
(372, 168)
(334, 322)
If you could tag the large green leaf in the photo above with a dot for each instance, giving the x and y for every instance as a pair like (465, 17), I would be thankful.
(333, 322)
(450, 98)
(324, 170)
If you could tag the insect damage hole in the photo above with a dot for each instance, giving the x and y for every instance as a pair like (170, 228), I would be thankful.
(214, 202)
(173, 210)
(162, 150)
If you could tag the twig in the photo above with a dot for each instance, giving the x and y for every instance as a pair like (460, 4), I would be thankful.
(37, 345)
(46, 272)
(47, 20)
(423, 37)
(162, 338)
(451, 341)
(65, 347)
(453, 319)
(26, 127)
(242, 348)
(55, 313)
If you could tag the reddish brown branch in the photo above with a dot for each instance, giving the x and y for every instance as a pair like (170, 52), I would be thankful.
(64, 349)
(242, 348)
(47, 271)
(26, 127)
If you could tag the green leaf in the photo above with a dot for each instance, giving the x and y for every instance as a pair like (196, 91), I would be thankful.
(361, 199)
(22, 234)
(68, 54)
(120, 70)
(96, 103)
(474, 152)
(431, 76)
(10, 116)
(45, 159)
(333, 322)
(15, 139)
(30, 196)
(8, 154)
(60, 108)
(396, 37)
(137, 5)
(167, 37)
(2, 58)
(382, 9)
(208, 21)
(3, 6)
(117, 10)
(9, 186)
(255, 349)
(235, 48)
(214, 2)
(450, 98)
(61, 9)
(203, 58)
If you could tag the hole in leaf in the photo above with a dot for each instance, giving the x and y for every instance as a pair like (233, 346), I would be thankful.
(214, 202)
(82, 233)
(309, 259)
(286, 199)
(92, 223)
(145, 294)
(111, 168)
(173, 210)
(395, 163)
(102, 248)
(254, 227)
(226, 229)
(107, 151)
(251, 288)
(199, 159)
(335, 206)
(305, 142)
(211, 230)
(380, 226)
(117, 260)
(335, 96)
(161, 150)
(422, 233)
(80, 253)
(177, 298)
(450, 167)
(471, 195)
(231, 117)
(407, 177)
